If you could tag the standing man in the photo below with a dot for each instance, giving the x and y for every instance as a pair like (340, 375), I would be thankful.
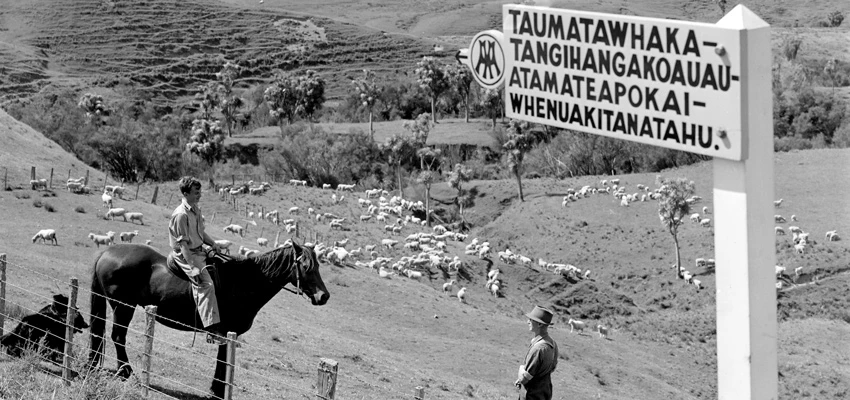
(186, 236)
(541, 360)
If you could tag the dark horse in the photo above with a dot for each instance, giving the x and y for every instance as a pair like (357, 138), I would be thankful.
(134, 274)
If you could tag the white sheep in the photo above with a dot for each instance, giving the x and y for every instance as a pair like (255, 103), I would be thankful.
(834, 237)
(779, 218)
(494, 288)
(262, 242)
(38, 184)
(603, 331)
(388, 243)
(576, 325)
(224, 245)
(364, 218)
(705, 210)
(115, 212)
(780, 271)
(45, 235)
(800, 248)
(135, 216)
(797, 271)
(383, 273)
(128, 236)
(694, 217)
(705, 222)
(461, 294)
(100, 239)
(447, 287)
(413, 274)
(235, 229)
(326, 186)
(341, 243)
(294, 210)
(779, 231)
(697, 283)
(778, 203)
(107, 200)
(793, 217)
(493, 274)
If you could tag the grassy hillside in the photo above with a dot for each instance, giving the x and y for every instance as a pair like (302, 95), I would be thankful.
(392, 335)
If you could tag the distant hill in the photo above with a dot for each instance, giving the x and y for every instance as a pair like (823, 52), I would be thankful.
(22, 147)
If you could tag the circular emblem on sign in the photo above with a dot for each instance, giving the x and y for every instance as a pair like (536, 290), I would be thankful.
(487, 59)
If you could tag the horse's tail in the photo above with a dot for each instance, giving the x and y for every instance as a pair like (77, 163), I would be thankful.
(98, 317)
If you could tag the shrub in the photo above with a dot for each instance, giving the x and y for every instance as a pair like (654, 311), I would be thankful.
(49, 207)
(80, 210)
(37, 203)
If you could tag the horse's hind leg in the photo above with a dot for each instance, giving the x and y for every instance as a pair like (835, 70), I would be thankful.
(123, 314)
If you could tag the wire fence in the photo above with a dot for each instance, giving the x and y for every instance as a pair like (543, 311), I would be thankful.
(173, 371)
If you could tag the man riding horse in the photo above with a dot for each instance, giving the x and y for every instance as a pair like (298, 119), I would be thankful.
(186, 236)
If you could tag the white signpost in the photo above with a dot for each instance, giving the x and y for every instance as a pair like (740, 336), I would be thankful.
(695, 87)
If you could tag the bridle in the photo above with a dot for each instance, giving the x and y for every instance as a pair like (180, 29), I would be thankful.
(299, 263)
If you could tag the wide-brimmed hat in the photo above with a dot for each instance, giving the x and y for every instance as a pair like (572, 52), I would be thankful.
(541, 315)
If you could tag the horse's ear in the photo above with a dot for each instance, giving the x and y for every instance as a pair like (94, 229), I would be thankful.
(295, 242)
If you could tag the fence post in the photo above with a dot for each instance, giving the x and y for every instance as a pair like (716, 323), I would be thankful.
(232, 180)
(69, 333)
(86, 183)
(137, 191)
(32, 173)
(155, 192)
(147, 355)
(326, 386)
(69, 173)
(50, 184)
(213, 217)
(419, 393)
(5, 177)
(229, 369)
(2, 291)
(169, 200)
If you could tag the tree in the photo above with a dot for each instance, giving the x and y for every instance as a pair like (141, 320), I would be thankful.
(429, 158)
(420, 128)
(457, 178)
(520, 141)
(673, 209)
(206, 140)
(228, 103)
(95, 108)
(460, 78)
(207, 98)
(491, 102)
(398, 148)
(369, 93)
(433, 80)
(290, 96)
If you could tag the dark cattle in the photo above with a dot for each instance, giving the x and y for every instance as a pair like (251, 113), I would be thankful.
(47, 328)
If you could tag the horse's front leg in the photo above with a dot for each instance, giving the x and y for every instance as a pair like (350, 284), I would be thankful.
(218, 383)
(123, 314)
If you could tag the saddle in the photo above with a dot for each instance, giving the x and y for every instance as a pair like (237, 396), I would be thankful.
(217, 260)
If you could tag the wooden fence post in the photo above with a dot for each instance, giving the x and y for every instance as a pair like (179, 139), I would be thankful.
(2, 291)
(5, 177)
(50, 184)
(155, 192)
(169, 200)
(326, 386)
(32, 173)
(229, 369)
(69, 173)
(232, 180)
(86, 183)
(213, 217)
(419, 393)
(69, 333)
(137, 191)
(147, 355)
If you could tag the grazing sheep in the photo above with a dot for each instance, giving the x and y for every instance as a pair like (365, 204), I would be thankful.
(695, 217)
(697, 283)
(461, 294)
(262, 242)
(779, 231)
(45, 235)
(413, 274)
(833, 238)
(224, 245)
(235, 229)
(389, 243)
(705, 222)
(586, 274)
(294, 210)
(100, 239)
(341, 243)
(107, 200)
(778, 203)
(797, 271)
(603, 331)
(780, 270)
(447, 287)
(326, 186)
(115, 212)
(800, 248)
(135, 216)
(128, 236)
(576, 325)
(38, 184)
(364, 218)
(793, 217)
(494, 288)
(383, 273)
(493, 273)
(148, 242)
(705, 210)
(779, 218)
(370, 247)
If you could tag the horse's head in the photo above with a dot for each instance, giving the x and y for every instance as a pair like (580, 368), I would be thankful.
(310, 280)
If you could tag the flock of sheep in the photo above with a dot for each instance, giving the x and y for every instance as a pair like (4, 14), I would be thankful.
(428, 249)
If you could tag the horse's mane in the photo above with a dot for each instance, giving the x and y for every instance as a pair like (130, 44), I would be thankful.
(277, 264)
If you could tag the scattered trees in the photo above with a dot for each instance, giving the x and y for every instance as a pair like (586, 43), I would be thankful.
(429, 158)
(460, 175)
(460, 78)
(228, 102)
(95, 108)
(397, 149)
(433, 80)
(290, 96)
(520, 141)
(368, 92)
(491, 102)
(206, 140)
(673, 209)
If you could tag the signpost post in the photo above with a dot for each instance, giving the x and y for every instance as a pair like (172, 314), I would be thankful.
(695, 87)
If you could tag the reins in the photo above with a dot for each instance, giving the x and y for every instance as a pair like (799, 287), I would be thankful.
(298, 261)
